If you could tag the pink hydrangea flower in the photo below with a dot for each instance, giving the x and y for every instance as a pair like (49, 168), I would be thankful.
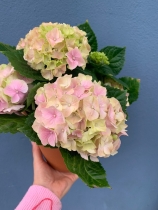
(13, 109)
(70, 104)
(74, 58)
(62, 130)
(3, 104)
(29, 55)
(52, 117)
(21, 44)
(47, 136)
(103, 106)
(80, 92)
(13, 90)
(75, 113)
(99, 90)
(17, 90)
(91, 108)
(40, 99)
(60, 70)
(54, 37)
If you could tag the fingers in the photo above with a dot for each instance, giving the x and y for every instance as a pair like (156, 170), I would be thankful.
(37, 155)
(72, 176)
(75, 177)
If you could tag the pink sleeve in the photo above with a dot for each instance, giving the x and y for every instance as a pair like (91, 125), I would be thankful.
(39, 198)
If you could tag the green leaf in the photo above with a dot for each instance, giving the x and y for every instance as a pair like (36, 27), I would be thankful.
(10, 123)
(92, 173)
(79, 70)
(32, 93)
(117, 81)
(86, 71)
(116, 56)
(16, 59)
(120, 95)
(28, 131)
(92, 40)
(91, 73)
(104, 70)
(133, 88)
(6, 47)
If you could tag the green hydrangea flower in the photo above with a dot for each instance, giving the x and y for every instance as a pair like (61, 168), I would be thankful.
(99, 58)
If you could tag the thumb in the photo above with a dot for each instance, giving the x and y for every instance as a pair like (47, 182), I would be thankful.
(37, 155)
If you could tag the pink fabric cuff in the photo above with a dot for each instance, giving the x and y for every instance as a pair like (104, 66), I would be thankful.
(39, 198)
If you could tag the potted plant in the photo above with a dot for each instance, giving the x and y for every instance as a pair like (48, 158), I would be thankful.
(64, 95)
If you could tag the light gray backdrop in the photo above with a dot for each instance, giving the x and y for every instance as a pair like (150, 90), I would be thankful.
(133, 173)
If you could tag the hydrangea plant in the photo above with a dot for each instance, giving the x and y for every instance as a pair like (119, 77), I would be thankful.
(61, 92)
(52, 47)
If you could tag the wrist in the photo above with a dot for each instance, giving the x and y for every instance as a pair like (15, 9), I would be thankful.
(48, 187)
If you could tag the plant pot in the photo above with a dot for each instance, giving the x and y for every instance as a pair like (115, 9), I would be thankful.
(54, 158)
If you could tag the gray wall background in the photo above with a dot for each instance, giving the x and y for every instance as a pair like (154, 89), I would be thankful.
(133, 173)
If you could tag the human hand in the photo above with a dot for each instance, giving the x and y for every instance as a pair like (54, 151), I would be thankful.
(44, 175)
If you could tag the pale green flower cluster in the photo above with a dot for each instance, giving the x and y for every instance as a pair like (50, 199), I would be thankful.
(52, 47)
(99, 58)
